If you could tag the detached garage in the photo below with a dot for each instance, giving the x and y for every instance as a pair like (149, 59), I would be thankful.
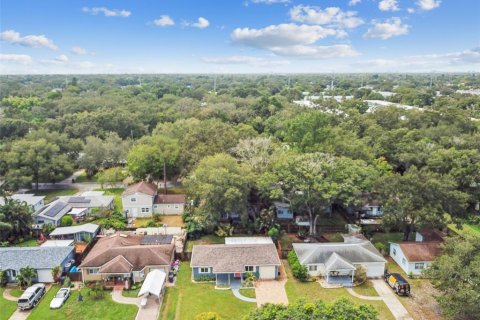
(42, 259)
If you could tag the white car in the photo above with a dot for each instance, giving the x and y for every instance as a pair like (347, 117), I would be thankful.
(60, 298)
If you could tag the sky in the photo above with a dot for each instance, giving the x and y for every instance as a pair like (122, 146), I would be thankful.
(238, 36)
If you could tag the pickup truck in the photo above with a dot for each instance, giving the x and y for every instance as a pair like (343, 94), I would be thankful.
(398, 283)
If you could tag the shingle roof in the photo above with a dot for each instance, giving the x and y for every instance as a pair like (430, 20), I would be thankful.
(142, 187)
(233, 258)
(88, 227)
(36, 257)
(337, 262)
(420, 251)
(129, 246)
(95, 201)
(169, 198)
(117, 265)
(354, 252)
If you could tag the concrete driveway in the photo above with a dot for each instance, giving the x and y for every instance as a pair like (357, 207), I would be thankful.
(271, 292)
(386, 294)
(19, 314)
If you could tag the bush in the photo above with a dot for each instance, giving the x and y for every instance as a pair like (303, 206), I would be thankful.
(3, 279)
(380, 247)
(360, 274)
(224, 230)
(300, 272)
(205, 278)
(66, 221)
(67, 282)
(208, 316)
(157, 217)
(274, 233)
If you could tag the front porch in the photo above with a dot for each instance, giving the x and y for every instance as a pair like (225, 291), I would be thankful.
(111, 281)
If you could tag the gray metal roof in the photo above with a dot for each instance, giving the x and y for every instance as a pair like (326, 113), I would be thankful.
(88, 227)
(317, 253)
(36, 257)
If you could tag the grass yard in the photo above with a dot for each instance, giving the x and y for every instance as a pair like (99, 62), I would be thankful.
(249, 293)
(312, 291)
(208, 239)
(366, 289)
(51, 194)
(188, 299)
(466, 229)
(117, 193)
(84, 178)
(27, 243)
(16, 292)
(169, 220)
(7, 307)
(133, 293)
(88, 309)
(386, 237)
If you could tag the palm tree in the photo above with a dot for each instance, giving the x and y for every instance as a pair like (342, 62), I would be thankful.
(25, 277)
(56, 273)
(16, 219)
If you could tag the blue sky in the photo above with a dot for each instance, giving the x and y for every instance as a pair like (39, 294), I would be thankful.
(245, 36)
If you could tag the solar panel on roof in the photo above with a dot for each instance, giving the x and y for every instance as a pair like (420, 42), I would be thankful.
(55, 209)
(78, 200)
(156, 239)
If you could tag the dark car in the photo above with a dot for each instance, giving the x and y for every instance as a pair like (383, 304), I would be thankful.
(171, 276)
(398, 283)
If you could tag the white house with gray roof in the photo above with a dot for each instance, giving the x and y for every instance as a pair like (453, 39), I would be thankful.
(52, 213)
(42, 259)
(337, 261)
(35, 202)
(79, 233)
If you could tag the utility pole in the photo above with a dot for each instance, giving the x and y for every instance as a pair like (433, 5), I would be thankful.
(165, 175)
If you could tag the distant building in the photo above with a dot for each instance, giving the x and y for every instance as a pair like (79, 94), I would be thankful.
(35, 202)
(283, 210)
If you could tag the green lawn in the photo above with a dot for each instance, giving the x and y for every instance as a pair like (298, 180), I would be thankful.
(208, 239)
(16, 292)
(117, 192)
(7, 308)
(51, 194)
(366, 289)
(312, 291)
(84, 178)
(27, 243)
(187, 299)
(249, 293)
(133, 293)
(386, 237)
(466, 228)
(88, 309)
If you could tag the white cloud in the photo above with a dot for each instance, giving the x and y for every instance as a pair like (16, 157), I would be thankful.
(428, 4)
(332, 16)
(248, 60)
(411, 10)
(466, 60)
(62, 58)
(270, 1)
(388, 5)
(202, 23)
(354, 2)
(78, 50)
(164, 21)
(292, 40)
(35, 41)
(107, 12)
(18, 58)
(389, 28)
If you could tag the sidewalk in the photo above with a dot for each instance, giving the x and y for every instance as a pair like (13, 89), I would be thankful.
(150, 311)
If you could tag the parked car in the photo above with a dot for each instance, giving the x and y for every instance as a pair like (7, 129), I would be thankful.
(29, 299)
(171, 276)
(60, 298)
(398, 283)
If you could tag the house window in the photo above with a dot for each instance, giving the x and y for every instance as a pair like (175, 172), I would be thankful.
(394, 252)
(169, 206)
(13, 273)
(404, 261)
(419, 266)
(204, 270)
(312, 268)
(145, 210)
(133, 199)
(92, 271)
(177, 206)
(249, 268)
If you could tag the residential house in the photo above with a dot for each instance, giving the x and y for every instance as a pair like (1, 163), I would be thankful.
(52, 213)
(127, 257)
(415, 257)
(79, 233)
(371, 209)
(337, 261)
(142, 200)
(283, 210)
(169, 204)
(138, 199)
(90, 201)
(229, 263)
(35, 202)
(42, 259)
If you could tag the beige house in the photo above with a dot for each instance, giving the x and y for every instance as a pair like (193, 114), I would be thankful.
(142, 199)
(171, 204)
(127, 257)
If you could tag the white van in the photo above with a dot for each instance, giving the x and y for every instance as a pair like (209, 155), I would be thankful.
(31, 296)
